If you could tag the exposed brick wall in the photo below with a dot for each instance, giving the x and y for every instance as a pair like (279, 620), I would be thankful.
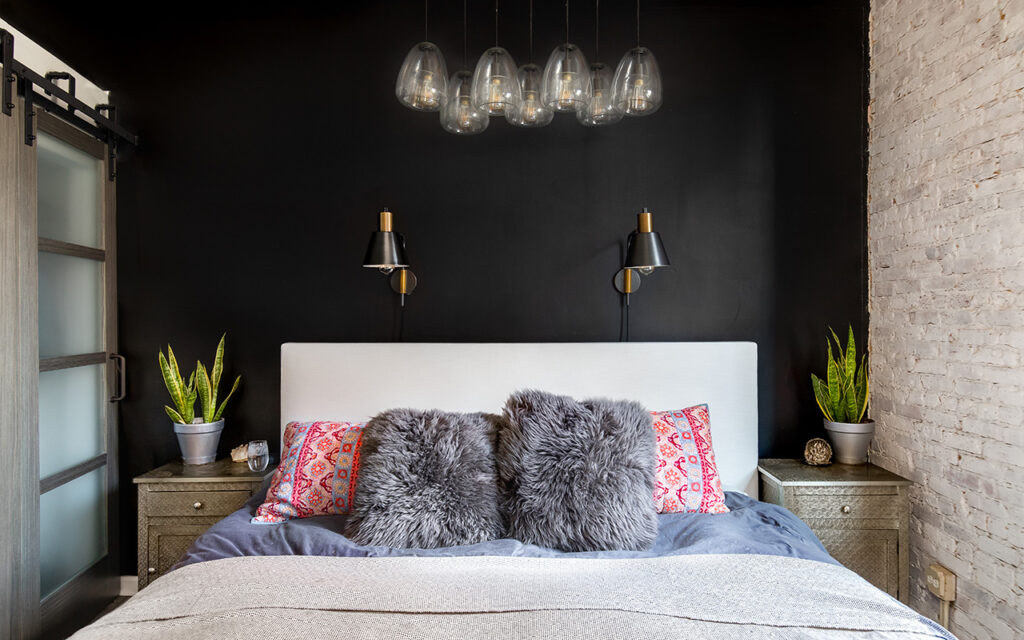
(946, 252)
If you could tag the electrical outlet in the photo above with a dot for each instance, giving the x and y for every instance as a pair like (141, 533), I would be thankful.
(942, 582)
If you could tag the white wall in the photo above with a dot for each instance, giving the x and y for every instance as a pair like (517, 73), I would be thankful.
(946, 246)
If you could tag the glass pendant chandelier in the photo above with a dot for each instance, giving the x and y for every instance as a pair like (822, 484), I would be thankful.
(460, 115)
(423, 80)
(532, 111)
(566, 76)
(601, 110)
(495, 84)
(638, 90)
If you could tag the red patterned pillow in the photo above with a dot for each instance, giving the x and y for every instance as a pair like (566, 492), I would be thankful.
(317, 474)
(686, 478)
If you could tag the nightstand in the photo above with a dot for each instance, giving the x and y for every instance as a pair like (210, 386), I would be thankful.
(178, 502)
(861, 514)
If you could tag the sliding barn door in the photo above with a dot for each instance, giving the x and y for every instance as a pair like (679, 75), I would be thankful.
(59, 375)
(77, 374)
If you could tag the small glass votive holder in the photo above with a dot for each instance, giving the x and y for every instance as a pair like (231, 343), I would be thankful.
(259, 455)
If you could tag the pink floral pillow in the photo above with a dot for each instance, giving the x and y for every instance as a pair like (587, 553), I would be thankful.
(686, 478)
(317, 474)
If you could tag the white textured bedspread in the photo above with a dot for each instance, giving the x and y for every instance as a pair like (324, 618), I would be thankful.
(693, 597)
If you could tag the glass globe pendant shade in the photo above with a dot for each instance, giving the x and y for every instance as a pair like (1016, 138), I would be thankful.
(532, 112)
(423, 80)
(638, 90)
(566, 84)
(495, 85)
(601, 110)
(459, 115)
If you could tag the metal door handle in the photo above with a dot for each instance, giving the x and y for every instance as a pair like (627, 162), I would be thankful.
(845, 508)
(197, 506)
(122, 382)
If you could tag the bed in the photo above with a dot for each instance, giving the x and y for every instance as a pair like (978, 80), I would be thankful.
(755, 572)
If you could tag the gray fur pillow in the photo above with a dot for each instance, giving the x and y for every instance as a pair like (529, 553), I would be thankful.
(427, 479)
(578, 476)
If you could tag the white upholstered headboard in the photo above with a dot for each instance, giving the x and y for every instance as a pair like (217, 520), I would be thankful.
(354, 381)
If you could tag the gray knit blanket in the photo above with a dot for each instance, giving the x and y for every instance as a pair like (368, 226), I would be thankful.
(690, 596)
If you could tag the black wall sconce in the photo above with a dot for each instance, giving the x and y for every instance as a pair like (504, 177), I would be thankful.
(386, 253)
(645, 252)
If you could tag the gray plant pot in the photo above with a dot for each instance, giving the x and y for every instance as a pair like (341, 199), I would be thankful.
(198, 441)
(850, 440)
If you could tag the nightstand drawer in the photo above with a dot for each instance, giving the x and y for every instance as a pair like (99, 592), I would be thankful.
(845, 506)
(195, 503)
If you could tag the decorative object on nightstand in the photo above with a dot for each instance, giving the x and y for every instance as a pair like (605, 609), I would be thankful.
(817, 452)
(859, 512)
(197, 437)
(843, 399)
(178, 502)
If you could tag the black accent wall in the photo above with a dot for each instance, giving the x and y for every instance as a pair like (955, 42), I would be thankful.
(271, 137)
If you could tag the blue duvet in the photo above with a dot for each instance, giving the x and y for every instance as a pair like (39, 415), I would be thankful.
(750, 527)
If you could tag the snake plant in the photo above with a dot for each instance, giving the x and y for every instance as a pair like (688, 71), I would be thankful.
(183, 395)
(200, 385)
(208, 386)
(843, 395)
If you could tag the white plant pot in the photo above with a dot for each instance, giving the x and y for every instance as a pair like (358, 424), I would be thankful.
(198, 441)
(850, 441)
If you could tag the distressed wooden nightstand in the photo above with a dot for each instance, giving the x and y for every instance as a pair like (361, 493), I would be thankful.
(861, 514)
(178, 502)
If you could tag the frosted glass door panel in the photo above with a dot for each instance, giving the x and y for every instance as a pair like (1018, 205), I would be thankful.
(72, 420)
(70, 196)
(72, 529)
(70, 305)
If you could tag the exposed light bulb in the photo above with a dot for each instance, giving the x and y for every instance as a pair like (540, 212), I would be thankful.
(423, 80)
(385, 270)
(566, 85)
(425, 95)
(531, 111)
(460, 115)
(638, 90)
(495, 87)
(646, 270)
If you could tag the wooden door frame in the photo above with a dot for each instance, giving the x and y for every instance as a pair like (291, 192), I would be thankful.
(62, 611)
(19, 380)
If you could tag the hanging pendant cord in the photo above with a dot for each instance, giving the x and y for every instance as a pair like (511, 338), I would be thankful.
(531, 30)
(464, 56)
(597, 29)
(495, 22)
(566, 21)
(426, 20)
(637, 23)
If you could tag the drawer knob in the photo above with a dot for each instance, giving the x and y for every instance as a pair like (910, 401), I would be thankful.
(199, 505)
(151, 570)
(845, 508)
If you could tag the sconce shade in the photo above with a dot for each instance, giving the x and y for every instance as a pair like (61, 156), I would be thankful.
(644, 250)
(385, 251)
(387, 248)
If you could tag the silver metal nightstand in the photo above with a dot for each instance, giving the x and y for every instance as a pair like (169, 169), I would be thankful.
(179, 502)
(861, 514)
